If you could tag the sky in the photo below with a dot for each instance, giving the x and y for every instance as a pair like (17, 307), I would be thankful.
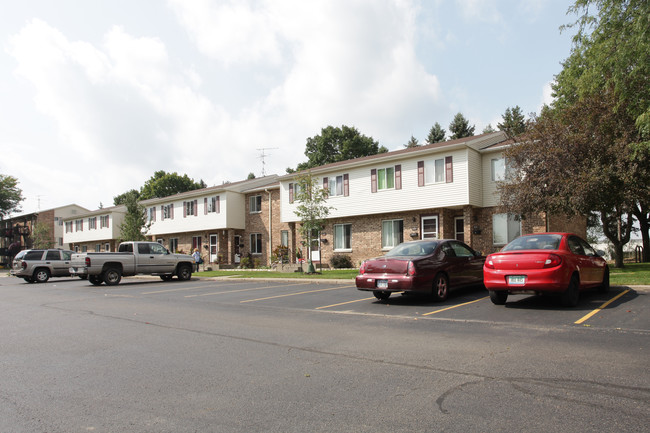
(95, 96)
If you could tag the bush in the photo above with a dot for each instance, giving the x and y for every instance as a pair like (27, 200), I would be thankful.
(339, 261)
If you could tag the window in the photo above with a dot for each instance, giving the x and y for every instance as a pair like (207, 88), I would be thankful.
(53, 255)
(78, 225)
(255, 204)
(430, 227)
(505, 228)
(335, 185)
(461, 250)
(68, 227)
(60, 242)
(392, 233)
(98, 248)
(167, 211)
(342, 235)
(434, 171)
(173, 245)
(196, 243)
(212, 204)
(103, 221)
(107, 247)
(84, 249)
(161, 241)
(498, 167)
(92, 223)
(190, 208)
(151, 214)
(256, 243)
(459, 224)
(386, 178)
(284, 238)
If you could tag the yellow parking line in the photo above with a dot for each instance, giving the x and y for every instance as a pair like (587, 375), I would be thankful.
(453, 306)
(584, 319)
(242, 290)
(294, 294)
(343, 303)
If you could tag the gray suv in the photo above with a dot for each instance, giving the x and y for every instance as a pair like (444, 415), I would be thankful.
(37, 266)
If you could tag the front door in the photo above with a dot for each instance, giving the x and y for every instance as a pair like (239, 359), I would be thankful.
(430, 227)
(459, 225)
(315, 246)
(236, 249)
(214, 248)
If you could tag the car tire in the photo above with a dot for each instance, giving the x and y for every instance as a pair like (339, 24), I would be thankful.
(440, 287)
(28, 279)
(571, 295)
(95, 280)
(184, 272)
(41, 275)
(112, 276)
(166, 277)
(604, 286)
(382, 295)
(498, 297)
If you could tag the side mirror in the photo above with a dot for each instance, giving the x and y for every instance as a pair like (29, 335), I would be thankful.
(600, 253)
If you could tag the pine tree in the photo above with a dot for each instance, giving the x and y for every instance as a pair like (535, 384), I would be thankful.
(436, 134)
(460, 127)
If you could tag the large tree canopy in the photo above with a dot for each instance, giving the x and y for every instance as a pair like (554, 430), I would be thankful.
(338, 144)
(161, 184)
(10, 195)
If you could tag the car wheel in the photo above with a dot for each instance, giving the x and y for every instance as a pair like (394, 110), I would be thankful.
(498, 297)
(95, 280)
(381, 294)
(604, 287)
(112, 276)
(28, 279)
(41, 275)
(441, 287)
(571, 295)
(166, 277)
(184, 272)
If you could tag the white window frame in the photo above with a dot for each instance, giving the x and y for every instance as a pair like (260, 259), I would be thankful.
(343, 237)
(505, 228)
(92, 223)
(255, 204)
(335, 185)
(396, 238)
(435, 171)
(103, 221)
(107, 247)
(167, 211)
(151, 214)
(189, 208)
(173, 245)
(387, 179)
(498, 169)
(430, 234)
(212, 204)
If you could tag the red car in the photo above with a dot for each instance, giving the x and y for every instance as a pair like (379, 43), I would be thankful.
(428, 267)
(561, 263)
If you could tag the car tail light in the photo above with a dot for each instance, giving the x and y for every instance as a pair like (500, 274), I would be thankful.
(23, 265)
(552, 261)
(489, 263)
(88, 261)
(362, 268)
(411, 269)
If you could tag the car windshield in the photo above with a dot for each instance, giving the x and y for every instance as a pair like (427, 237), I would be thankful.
(534, 242)
(413, 249)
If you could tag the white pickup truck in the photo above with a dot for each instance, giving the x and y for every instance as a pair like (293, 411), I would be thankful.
(132, 258)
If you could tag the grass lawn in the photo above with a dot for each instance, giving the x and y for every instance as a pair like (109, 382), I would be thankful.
(328, 274)
(632, 274)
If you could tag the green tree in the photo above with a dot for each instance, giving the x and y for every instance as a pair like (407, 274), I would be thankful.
(311, 208)
(251, 175)
(513, 121)
(338, 144)
(436, 134)
(413, 142)
(124, 197)
(42, 236)
(135, 224)
(488, 129)
(163, 184)
(459, 127)
(10, 195)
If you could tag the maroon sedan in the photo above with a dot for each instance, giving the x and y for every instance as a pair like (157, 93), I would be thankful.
(428, 266)
(561, 263)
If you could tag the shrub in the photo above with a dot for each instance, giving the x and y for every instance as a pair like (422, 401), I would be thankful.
(339, 261)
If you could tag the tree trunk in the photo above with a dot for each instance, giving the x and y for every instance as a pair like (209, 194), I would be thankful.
(643, 217)
(617, 232)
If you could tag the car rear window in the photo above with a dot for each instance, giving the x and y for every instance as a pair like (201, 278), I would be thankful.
(53, 255)
(413, 249)
(535, 242)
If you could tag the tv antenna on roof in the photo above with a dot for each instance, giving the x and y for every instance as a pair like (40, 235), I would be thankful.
(262, 156)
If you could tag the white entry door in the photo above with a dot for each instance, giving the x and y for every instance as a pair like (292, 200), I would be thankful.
(214, 248)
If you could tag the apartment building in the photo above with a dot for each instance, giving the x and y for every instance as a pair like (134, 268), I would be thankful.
(442, 190)
(94, 231)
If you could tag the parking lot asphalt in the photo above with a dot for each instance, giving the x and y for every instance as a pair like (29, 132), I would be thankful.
(267, 355)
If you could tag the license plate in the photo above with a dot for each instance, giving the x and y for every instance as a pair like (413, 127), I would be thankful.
(382, 284)
(517, 280)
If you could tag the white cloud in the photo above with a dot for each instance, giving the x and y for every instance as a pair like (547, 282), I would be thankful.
(547, 95)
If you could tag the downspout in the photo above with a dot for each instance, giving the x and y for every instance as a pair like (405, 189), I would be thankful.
(270, 251)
